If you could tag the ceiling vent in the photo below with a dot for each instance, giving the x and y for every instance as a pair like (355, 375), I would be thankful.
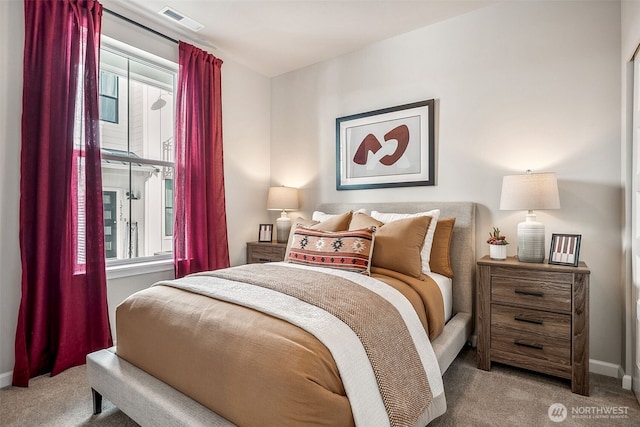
(181, 19)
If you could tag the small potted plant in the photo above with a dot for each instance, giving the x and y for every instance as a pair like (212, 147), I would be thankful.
(497, 245)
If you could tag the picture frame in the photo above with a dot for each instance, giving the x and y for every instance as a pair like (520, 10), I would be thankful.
(265, 233)
(565, 249)
(391, 147)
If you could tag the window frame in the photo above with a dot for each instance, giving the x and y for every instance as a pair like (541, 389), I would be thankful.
(117, 268)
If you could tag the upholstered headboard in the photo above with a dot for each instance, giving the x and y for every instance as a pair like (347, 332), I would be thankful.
(463, 257)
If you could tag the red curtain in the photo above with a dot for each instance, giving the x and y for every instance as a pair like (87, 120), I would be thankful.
(200, 229)
(63, 312)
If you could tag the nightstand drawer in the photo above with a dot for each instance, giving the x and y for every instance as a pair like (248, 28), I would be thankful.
(531, 293)
(530, 323)
(266, 255)
(548, 349)
(546, 276)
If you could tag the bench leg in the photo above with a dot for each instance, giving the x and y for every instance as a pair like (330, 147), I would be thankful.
(97, 402)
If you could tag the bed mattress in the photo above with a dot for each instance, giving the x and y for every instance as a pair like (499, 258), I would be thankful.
(445, 285)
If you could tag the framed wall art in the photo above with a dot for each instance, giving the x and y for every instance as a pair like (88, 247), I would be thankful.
(392, 147)
(265, 233)
(565, 249)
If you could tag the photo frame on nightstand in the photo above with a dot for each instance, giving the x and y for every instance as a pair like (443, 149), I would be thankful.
(265, 233)
(565, 249)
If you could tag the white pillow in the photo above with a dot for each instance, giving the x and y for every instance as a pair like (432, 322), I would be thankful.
(425, 254)
(321, 216)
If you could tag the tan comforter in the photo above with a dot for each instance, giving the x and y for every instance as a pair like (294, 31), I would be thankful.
(251, 368)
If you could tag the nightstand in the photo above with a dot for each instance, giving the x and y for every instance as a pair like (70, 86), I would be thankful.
(258, 252)
(535, 316)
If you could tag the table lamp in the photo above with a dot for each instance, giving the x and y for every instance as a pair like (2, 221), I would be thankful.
(528, 192)
(282, 199)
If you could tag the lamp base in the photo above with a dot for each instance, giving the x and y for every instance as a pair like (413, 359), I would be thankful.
(283, 227)
(531, 247)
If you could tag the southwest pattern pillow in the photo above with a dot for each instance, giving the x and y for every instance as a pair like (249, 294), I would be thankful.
(344, 250)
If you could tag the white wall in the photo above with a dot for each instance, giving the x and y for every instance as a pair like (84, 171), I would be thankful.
(246, 132)
(11, 46)
(519, 85)
(246, 99)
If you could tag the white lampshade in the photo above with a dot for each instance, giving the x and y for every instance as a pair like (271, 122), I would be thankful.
(282, 199)
(528, 192)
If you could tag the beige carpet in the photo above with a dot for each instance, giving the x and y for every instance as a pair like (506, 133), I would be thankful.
(60, 401)
(508, 396)
(503, 397)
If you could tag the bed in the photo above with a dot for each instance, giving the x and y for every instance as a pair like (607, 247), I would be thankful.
(151, 401)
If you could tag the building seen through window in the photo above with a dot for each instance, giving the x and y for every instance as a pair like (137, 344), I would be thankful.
(136, 134)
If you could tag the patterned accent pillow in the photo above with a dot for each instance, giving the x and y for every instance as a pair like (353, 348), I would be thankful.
(344, 250)
(334, 223)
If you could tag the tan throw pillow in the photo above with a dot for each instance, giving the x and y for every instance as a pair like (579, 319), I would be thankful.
(440, 261)
(398, 243)
(362, 220)
(343, 250)
(428, 239)
(335, 223)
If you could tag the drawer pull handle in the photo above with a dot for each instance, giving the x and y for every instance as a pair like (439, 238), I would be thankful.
(264, 259)
(524, 319)
(526, 344)
(530, 293)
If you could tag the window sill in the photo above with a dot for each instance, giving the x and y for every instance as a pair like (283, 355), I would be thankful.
(137, 268)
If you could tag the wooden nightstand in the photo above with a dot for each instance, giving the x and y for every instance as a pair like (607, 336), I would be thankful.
(535, 316)
(258, 252)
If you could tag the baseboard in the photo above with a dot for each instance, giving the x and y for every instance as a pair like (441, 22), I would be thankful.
(5, 379)
(604, 368)
(610, 370)
(626, 382)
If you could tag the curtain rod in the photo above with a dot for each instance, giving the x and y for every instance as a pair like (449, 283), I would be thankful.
(137, 24)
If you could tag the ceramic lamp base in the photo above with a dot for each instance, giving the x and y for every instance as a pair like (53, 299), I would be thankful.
(283, 227)
(531, 240)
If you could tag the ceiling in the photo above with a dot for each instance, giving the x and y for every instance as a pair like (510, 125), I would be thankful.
(273, 37)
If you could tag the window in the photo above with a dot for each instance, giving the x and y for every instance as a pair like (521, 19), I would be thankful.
(108, 97)
(137, 127)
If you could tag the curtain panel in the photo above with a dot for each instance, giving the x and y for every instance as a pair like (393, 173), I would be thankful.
(200, 224)
(63, 312)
